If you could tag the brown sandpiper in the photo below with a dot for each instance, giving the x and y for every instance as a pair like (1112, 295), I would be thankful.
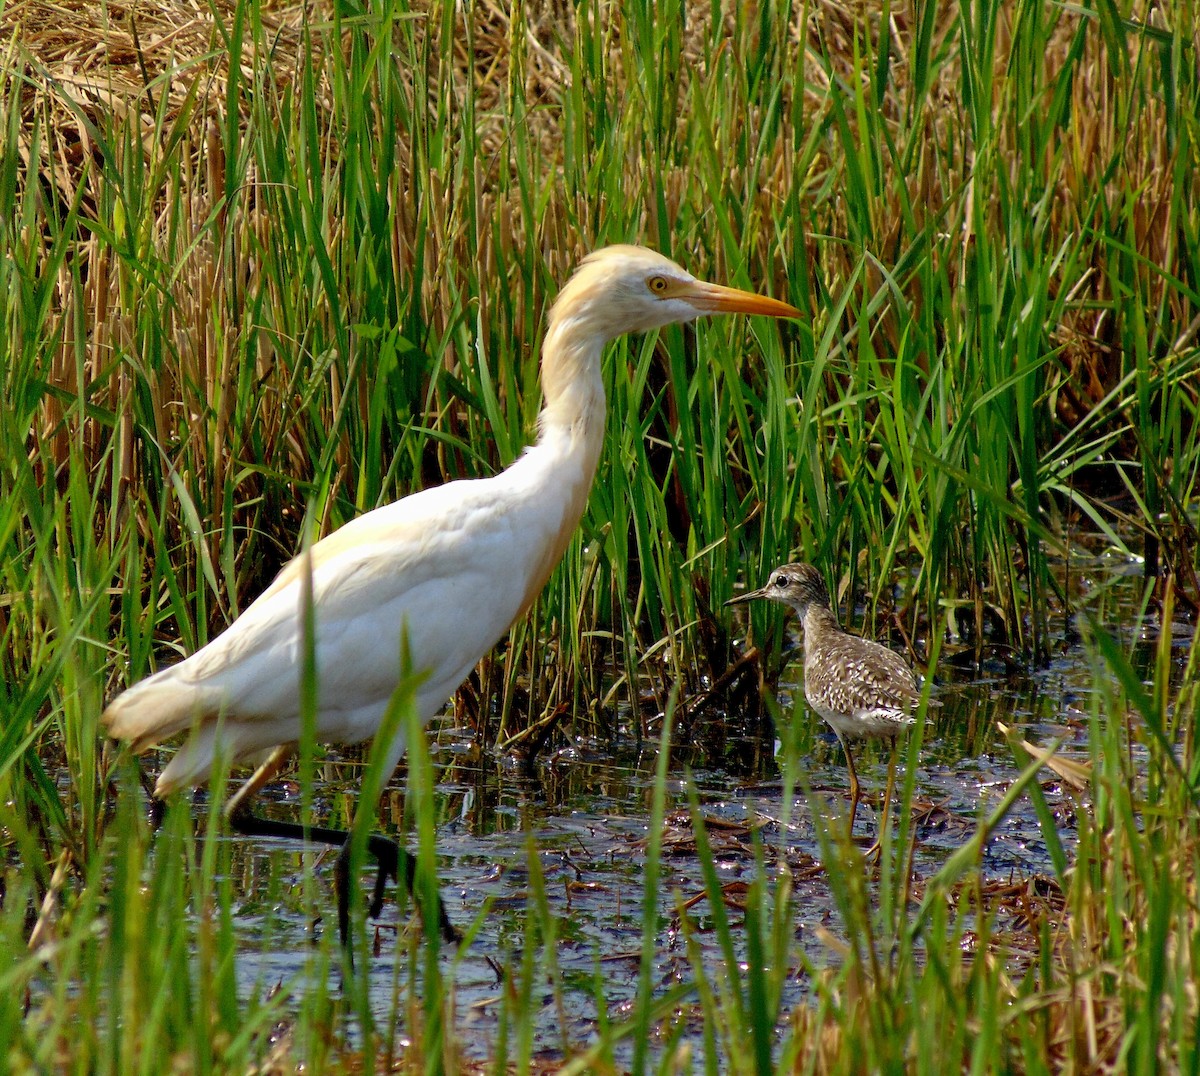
(860, 687)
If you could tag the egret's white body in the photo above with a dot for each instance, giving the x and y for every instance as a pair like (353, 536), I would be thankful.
(443, 572)
(451, 567)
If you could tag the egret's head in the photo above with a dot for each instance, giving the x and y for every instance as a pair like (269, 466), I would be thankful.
(623, 289)
(796, 585)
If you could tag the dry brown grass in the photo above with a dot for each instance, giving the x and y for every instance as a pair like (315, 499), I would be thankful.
(90, 67)
(162, 67)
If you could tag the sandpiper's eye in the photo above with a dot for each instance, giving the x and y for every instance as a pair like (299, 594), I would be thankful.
(781, 581)
(657, 284)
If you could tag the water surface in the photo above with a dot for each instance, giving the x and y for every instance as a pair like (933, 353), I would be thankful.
(583, 812)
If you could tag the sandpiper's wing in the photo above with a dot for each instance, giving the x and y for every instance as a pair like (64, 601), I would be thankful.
(860, 680)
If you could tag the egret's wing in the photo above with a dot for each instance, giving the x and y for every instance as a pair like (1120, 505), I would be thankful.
(440, 574)
(445, 569)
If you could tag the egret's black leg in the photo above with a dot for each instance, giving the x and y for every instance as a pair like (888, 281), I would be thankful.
(341, 889)
(388, 854)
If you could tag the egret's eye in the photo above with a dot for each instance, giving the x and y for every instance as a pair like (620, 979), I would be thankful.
(657, 284)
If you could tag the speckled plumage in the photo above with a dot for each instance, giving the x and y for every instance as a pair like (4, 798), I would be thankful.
(858, 686)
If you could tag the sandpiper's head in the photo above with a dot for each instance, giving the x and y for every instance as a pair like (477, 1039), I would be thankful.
(625, 289)
(796, 585)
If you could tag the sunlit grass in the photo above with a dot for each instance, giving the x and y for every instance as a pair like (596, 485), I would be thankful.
(272, 272)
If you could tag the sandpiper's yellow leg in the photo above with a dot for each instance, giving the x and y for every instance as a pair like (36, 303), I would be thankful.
(855, 791)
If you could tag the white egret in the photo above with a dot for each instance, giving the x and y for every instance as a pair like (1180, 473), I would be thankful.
(448, 569)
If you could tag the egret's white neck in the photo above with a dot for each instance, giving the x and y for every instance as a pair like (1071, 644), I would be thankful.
(572, 417)
(556, 472)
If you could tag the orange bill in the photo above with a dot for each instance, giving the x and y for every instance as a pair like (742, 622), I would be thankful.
(716, 299)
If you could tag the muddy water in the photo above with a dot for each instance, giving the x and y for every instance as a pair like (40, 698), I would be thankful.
(586, 810)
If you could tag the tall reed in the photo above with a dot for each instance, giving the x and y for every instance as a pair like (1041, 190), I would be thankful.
(269, 272)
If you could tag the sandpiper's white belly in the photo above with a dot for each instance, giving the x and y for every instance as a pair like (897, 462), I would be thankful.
(880, 721)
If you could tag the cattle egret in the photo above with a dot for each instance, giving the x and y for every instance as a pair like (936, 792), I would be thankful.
(443, 572)
(862, 689)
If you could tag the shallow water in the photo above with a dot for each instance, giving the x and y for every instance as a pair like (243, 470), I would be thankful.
(586, 810)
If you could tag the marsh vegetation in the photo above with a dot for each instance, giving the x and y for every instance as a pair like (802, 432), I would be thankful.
(264, 268)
